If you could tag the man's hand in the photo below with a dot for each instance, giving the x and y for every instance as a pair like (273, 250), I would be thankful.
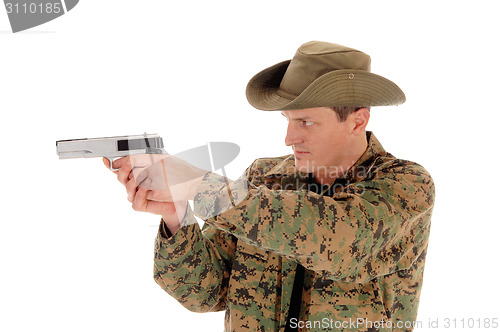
(171, 178)
(141, 197)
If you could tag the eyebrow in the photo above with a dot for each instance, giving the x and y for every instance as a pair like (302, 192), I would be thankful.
(306, 118)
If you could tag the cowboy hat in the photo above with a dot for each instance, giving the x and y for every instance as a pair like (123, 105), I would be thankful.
(322, 74)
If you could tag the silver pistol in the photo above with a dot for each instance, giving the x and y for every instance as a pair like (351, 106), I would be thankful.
(110, 147)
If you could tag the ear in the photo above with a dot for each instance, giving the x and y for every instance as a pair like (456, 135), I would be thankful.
(360, 121)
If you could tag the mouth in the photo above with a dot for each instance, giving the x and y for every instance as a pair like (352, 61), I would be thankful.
(299, 153)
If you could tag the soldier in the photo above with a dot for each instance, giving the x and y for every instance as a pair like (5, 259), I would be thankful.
(332, 237)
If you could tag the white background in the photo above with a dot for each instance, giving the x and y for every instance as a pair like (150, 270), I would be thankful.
(76, 257)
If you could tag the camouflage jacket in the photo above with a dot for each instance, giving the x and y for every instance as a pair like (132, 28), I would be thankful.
(363, 248)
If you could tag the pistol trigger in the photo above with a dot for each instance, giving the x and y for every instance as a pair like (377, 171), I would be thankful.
(111, 164)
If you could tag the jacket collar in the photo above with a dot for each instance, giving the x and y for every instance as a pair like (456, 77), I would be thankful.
(361, 169)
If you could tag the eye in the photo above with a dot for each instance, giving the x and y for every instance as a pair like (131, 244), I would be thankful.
(307, 123)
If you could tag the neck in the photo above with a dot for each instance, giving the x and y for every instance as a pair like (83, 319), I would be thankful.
(354, 152)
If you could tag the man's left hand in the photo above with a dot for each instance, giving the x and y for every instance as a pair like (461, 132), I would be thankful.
(169, 179)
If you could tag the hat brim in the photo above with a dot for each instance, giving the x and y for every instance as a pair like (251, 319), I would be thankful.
(346, 87)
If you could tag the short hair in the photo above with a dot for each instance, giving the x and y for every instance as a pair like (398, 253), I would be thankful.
(344, 111)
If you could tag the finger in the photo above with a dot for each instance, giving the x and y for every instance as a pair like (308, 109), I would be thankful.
(131, 188)
(124, 172)
(140, 203)
(107, 163)
(156, 207)
(152, 195)
(159, 196)
(139, 178)
(120, 162)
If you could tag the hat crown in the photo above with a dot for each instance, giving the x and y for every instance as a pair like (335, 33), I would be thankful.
(314, 59)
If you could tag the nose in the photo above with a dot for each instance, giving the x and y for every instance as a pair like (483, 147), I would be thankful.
(293, 136)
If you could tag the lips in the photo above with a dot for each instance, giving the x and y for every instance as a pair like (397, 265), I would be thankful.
(299, 153)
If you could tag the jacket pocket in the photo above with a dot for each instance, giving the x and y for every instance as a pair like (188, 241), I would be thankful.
(348, 304)
(246, 275)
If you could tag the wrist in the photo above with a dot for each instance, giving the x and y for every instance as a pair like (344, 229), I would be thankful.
(170, 229)
(174, 221)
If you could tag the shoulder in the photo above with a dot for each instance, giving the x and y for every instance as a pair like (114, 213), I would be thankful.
(404, 177)
(383, 166)
(388, 165)
(265, 166)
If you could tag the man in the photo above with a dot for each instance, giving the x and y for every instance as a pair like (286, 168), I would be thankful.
(333, 237)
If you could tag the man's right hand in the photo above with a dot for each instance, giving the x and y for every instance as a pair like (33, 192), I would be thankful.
(137, 195)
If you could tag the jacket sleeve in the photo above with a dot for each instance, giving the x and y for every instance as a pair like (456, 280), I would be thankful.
(375, 227)
(193, 265)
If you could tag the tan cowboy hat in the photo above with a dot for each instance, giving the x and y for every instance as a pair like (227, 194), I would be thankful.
(322, 74)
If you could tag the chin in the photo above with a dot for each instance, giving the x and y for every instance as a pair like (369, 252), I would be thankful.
(303, 165)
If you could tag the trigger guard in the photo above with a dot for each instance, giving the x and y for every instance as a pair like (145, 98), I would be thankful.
(111, 165)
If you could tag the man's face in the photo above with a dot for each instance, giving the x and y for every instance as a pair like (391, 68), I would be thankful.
(320, 142)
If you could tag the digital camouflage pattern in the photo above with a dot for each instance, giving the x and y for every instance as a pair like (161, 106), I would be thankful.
(363, 248)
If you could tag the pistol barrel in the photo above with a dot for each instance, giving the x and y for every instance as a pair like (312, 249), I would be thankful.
(117, 146)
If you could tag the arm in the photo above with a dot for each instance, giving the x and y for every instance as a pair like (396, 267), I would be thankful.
(193, 266)
(354, 236)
